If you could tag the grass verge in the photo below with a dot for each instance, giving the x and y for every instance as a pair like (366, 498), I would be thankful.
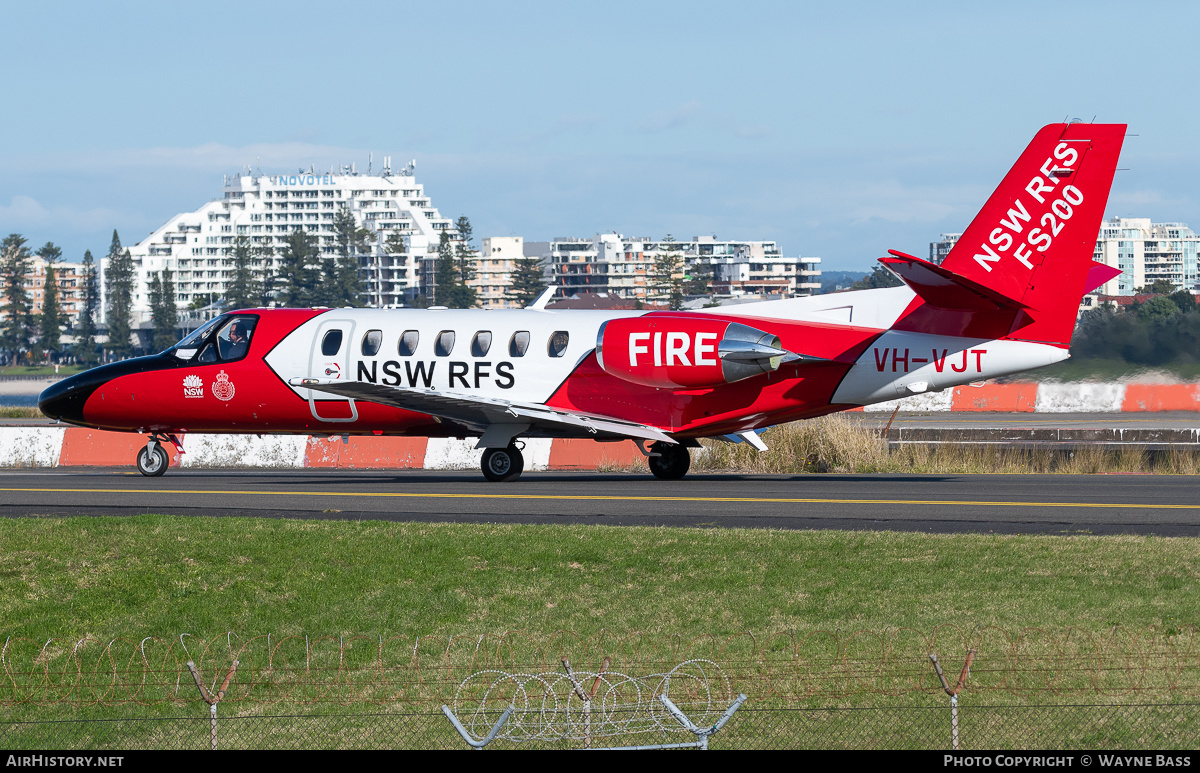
(165, 575)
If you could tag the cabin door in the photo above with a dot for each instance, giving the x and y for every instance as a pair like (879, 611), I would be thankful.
(330, 358)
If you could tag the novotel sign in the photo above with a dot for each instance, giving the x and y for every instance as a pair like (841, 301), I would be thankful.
(302, 179)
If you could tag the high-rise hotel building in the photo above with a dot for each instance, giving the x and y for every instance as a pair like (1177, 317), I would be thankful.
(197, 246)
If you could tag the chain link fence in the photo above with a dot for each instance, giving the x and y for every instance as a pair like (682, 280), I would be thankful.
(1026, 689)
(1071, 726)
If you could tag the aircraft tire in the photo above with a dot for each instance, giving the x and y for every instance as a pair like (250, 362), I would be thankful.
(672, 463)
(153, 464)
(501, 465)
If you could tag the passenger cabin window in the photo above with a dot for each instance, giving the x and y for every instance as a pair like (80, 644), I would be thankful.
(481, 343)
(371, 343)
(519, 344)
(444, 344)
(331, 343)
(558, 343)
(408, 343)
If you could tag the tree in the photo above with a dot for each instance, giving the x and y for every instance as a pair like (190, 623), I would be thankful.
(879, 277)
(667, 281)
(119, 282)
(244, 290)
(85, 327)
(266, 286)
(17, 331)
(163, 311)
(350, 241)
(297, 277)
(528, 283)
(1157, 287)
(51, 320)
(450, 289)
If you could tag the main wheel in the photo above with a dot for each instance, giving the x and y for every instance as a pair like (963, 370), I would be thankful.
(672, 462)
(501, 465)
(153, 463)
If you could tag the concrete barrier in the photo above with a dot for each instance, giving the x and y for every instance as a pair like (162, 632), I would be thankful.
(72, 447)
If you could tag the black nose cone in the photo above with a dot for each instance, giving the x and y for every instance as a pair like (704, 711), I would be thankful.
(64, 401)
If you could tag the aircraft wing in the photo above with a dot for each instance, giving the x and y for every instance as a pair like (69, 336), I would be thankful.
(479, 413)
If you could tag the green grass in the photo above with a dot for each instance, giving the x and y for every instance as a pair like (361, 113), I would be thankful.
(41, 370)
(388, 617)
(162, 575)
(20, 412)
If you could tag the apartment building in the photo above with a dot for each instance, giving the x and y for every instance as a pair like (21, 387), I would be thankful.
(197, 246)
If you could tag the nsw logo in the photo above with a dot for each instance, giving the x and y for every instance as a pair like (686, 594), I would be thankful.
(193, 386)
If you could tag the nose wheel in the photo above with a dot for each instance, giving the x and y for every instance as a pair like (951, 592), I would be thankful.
(152, 460)
(501, 465)
(671, 463)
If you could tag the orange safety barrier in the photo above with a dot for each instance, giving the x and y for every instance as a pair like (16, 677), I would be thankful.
(590, 455)
(97, 448)
(1161, 397)
(366, 453)
(1008, 398)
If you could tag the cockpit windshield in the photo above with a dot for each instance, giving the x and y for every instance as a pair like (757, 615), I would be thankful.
(196, 336)
(231, 342)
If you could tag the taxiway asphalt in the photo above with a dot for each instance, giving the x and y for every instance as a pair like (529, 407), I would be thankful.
(1043, 504)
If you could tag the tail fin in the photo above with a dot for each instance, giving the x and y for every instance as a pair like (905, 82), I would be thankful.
(1034, 238)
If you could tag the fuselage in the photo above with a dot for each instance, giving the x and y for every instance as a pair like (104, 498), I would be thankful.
(545, 357)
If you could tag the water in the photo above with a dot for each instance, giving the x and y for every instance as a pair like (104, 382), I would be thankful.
(22, 400)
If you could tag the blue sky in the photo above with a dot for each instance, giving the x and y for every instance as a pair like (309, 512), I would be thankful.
(838, 129)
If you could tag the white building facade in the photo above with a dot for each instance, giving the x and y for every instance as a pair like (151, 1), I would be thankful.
(625, 266)
(1146, 252)
(197, 246)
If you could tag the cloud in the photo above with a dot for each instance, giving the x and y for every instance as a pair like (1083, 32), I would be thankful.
(663, 120)
(209, 156)
(25, 214)
(565, 124)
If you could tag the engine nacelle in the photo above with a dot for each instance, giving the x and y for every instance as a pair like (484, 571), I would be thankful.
(686, 351)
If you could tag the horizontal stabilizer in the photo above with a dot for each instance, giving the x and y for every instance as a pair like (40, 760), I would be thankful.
(1098, 274)
(944, 289)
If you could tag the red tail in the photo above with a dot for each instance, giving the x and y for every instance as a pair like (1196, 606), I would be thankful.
(1033, 241)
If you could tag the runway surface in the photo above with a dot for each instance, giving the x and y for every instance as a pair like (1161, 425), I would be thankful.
(1008, 504)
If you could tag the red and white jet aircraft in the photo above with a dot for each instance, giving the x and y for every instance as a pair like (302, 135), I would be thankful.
(1004, 300)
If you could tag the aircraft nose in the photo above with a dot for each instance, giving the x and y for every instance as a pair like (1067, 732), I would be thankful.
(64, 400)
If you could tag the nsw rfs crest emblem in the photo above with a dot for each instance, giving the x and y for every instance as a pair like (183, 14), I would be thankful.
(222, 389)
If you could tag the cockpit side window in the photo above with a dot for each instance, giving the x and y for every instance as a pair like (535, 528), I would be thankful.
(233, 341)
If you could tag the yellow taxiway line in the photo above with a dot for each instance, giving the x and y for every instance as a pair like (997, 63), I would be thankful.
(613, 498)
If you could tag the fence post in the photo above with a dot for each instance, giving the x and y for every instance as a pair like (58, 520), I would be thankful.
(212, 700)
(953, 691)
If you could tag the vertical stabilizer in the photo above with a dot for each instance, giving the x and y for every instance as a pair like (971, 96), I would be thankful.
(1033, 241)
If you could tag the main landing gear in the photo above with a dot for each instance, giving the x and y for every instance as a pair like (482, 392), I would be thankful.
(501, 465)
(669, 462)
(152, 460)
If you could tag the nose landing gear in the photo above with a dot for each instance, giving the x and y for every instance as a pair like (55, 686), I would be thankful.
(153, 460)
(501, 465)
